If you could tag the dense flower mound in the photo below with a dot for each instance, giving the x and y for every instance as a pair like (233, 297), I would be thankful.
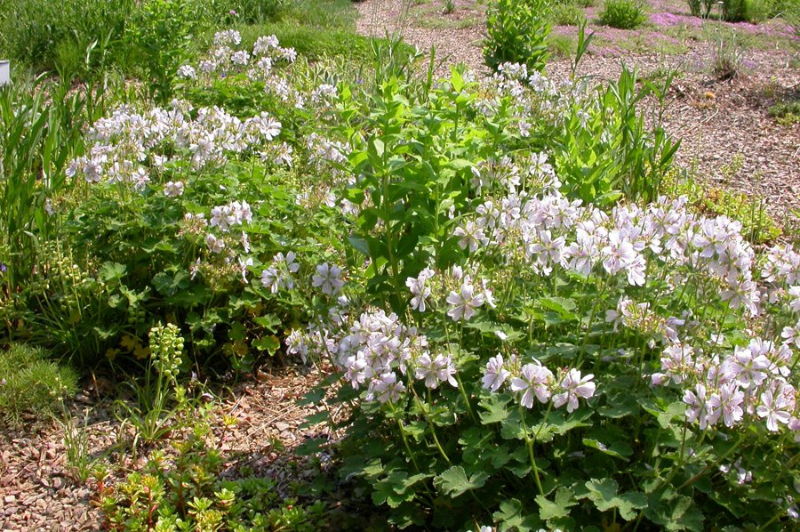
(547, 232)
(525, 332)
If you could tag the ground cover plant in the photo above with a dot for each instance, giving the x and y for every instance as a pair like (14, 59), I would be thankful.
(32, 385)
(523, 319)
(623, 14)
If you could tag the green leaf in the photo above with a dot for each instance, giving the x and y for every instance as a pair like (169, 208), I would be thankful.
(676, 409)
(271, 322)
(270, 344)
(677, 512)
(315, 419)
(615, 448)
(494, 409)
(511, 516)
(455, 482)
(603, 493)
(112, 271)
(359, 244)
(560, 508)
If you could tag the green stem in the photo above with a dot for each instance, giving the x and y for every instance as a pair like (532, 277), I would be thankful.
(405, 443)
(531, 454)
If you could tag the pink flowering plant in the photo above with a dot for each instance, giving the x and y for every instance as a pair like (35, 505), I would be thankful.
(515, 357)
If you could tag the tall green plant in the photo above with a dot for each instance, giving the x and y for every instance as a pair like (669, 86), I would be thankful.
(606, 150)
(40, 131)
(161, 35)
(517, 33)
(415, 159)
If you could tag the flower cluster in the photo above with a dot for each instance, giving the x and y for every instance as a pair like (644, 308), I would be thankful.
(534, 382)
(225, 59)
(128, 146)
(457, 288)
(549, 231)
(751, 382)
(279, 275)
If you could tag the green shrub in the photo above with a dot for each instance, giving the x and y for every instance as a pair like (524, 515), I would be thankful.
(517, 33)
(41, 129)
(146, 254)
(241, 11)
(32, 385)
(567, 14)
(513, 358)
(605, 150)
(313, 43)
(623, 14)
(158, 38)
(702, 8)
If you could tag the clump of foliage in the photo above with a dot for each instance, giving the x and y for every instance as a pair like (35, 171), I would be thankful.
(52, 35)
(753, 11)
(567, 13)
(701, 7)
(172, 236)
(727, 62)
(32, 385)
(623, 14)
(786, 112)
(159, 36)
(160, 398)
(517, 32)
(41, 127)
(184, 490)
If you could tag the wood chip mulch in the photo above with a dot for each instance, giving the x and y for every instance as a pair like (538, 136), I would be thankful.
(39, 491)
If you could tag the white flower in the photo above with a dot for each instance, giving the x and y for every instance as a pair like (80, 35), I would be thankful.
(495, 374)
(471, 236)
(464, 302)
(535, 380)
(173, 189)
(240, 58)
(216, 245)
(730, 402)
(703, 408)
(356, 372)
(264, 44)
(435, 370)
(774, 410)
(227, 38)
(574, 387)
(296, 344)
(328, 279)
(419, 290)
(385, 388)
(227, 216)
(187, 72)
(279, 275)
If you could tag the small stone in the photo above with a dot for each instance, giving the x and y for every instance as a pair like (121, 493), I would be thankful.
(9, 499)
